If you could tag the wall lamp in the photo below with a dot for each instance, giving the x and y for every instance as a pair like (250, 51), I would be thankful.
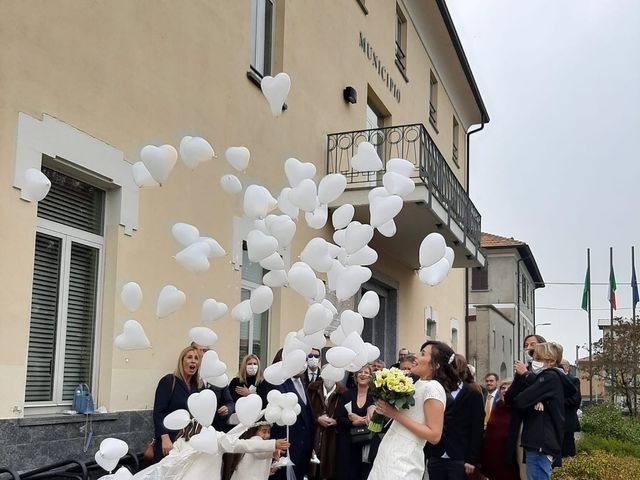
(350, 95)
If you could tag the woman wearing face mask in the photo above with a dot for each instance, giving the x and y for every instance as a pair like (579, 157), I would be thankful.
(249, 380)
(542, 408)
(324, 397)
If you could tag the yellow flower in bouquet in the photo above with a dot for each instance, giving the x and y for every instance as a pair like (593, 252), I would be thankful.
(395, 388)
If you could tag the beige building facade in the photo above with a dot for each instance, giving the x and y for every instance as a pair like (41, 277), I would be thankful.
(81, 95)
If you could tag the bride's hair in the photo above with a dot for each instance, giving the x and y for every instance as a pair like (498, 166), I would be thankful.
(443, 365)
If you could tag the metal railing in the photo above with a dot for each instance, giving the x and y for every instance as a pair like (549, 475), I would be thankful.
(412, 143)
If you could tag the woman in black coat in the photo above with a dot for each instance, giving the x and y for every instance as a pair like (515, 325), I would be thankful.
(249, 380)
(171, 394)
(354, 411)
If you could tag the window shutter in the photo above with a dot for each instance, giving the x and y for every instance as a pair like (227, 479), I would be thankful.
(81, 306)
(44, 314)
(73, 203)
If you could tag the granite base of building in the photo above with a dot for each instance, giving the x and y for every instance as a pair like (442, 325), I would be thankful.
(33, 442)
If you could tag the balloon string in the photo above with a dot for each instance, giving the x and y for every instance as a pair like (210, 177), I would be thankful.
(287, 454)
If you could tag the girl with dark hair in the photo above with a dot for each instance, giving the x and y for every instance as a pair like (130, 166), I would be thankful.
(400, 454)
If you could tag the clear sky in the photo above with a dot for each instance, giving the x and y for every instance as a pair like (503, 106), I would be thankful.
(558, 165)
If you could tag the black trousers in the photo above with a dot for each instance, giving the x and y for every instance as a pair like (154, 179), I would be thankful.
(569, 445)
(445, 469)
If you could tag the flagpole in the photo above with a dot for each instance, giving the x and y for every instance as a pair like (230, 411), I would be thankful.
(611, 293)
(634, 288)
(589, 316)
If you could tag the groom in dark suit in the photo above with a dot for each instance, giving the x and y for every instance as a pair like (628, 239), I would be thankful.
(300, 433)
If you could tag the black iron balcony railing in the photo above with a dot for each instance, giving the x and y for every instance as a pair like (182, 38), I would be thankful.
(413, 143)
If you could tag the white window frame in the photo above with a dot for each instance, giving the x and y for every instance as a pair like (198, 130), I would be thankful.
(258, 21)
(70, 235)
(249, 285)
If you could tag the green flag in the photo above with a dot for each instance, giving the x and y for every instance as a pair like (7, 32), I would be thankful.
(585, 292)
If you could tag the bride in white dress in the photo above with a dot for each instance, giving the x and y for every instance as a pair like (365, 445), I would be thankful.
(401, 455)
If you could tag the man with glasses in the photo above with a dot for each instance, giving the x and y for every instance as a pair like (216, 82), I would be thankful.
(312, 373)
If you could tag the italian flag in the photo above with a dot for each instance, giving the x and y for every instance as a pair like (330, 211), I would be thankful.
(612, 288)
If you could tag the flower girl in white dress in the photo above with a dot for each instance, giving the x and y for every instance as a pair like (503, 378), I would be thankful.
(401, 452)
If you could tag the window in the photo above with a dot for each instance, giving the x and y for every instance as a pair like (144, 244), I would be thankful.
(431, 329)
(401, 41)
(433, 100)
(254, 335)
(523, 285)
(65, 293)
(456, 135)
(262, 36)
(454, 338)
(480, 278)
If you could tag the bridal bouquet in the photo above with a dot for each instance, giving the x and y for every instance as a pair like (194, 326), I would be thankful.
(395, 388)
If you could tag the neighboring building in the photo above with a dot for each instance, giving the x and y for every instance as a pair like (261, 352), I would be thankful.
(501, 304)
(82, 94)
(582, 372)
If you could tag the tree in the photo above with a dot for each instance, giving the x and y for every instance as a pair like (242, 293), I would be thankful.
(616, 358)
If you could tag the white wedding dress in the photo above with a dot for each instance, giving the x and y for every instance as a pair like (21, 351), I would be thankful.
(401, 454)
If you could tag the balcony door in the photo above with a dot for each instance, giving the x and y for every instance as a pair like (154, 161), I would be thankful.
(382, 330)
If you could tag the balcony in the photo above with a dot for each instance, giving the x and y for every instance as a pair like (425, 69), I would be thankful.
(439, 202)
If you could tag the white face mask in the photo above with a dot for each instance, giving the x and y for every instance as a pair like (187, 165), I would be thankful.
(252, 370)
(537, 367)
(313, 362)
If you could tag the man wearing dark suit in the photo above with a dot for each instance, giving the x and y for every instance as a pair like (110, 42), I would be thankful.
(571, 421)
(460, 447)
(312, 373)
(490, 395)
(300, 433)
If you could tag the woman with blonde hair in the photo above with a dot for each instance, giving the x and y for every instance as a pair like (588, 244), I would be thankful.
(171, 394)
(248, 380)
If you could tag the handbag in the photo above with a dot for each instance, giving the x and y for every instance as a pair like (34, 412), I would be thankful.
(83, 400)
(148, 453)
(360, 434)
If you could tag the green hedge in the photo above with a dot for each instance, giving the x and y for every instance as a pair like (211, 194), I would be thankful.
(598, 465)
(590, 443)
(605, 420)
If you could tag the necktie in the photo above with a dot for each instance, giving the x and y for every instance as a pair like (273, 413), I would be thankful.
(313, 377)
(488, 404)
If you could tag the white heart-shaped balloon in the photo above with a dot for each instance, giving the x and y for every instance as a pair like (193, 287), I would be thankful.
(212, 310)
(122, 473)
(401, 166)
(373, 352)
(383, 209)
(365, 256)
(367, 159)
(203, 336)
(242, 312)
(282, 227)
(369, 304)
(435, 273)
(305, 195)
(302, 279)
(350, 281)
(170, 300)
(316, 255)
(293, 342)
(177, 420)
(249, 409)
(230, 184)
(238, 157)
(397, 184)
(275, 90)
(211, 366)
(261, 299)
(159, 161)
(342, 216)
(340, 356)
(333, 275)
(131, 296)
(316, 319)
(388, 229)
(195, 150)
(275, 278)
(260, 246)
(331, 187)
(185, 233)
(206, 441)
(340, 236)
(107, 464)
(288, 418)
(132, 337)
(285, 205)
(258, 202)
(351, 321)
(272, 262)
(296, 171)
(318, 218)
(432, 249)
(450, 255)
(113, 448)
(316, 340)
(377, 192)
(357, 235)
(195, 257)
(221, 381)
(142, 177)
(293, 363)
(337, 336)
(331, 373)
(203, 406)
(273, 374)
(215, 249)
